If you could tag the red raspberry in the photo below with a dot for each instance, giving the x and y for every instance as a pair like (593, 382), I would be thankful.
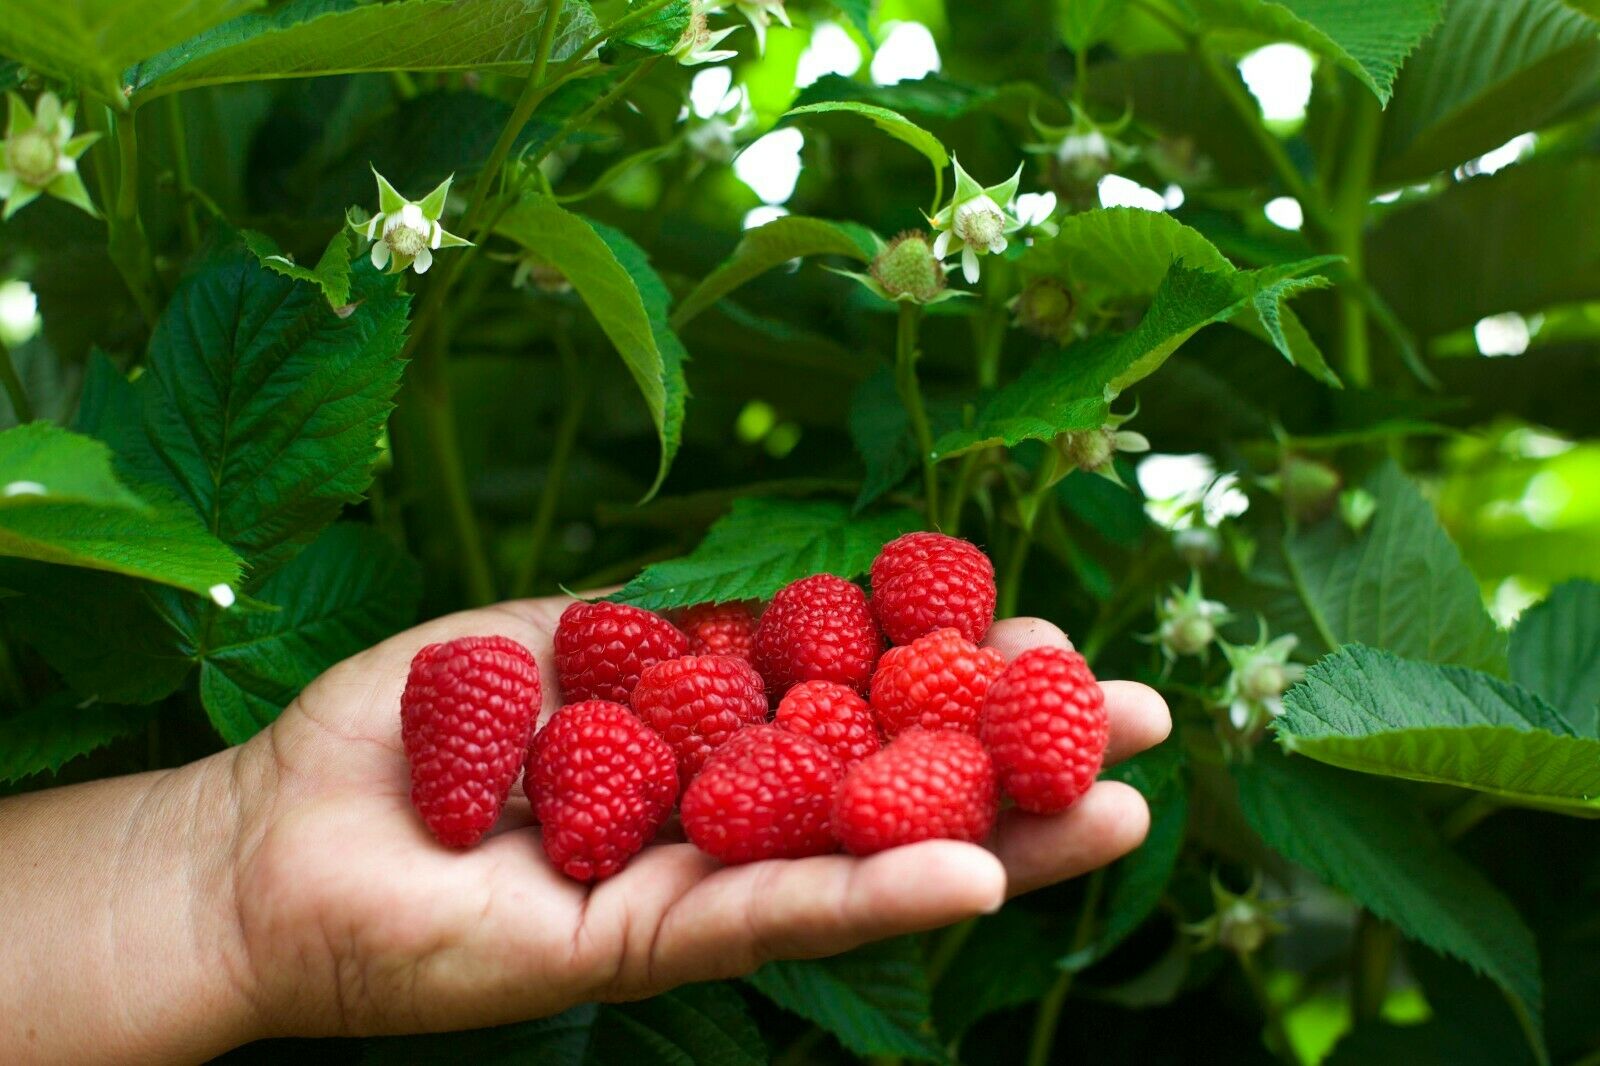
(720, 629)
(697, 702)
(1044, 723)
(467, 711)
(601, 648)
(601, 783)
(937, 682)
(926, 581)
(923, 785)
(764, 795)
(832, 714)
(817, 629)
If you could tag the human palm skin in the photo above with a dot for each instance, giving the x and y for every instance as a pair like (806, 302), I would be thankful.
(352, 919)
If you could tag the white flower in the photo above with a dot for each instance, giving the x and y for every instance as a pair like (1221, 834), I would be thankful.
(975, 221)
(1262, 673)
(1187, 621)
(40, 155)
(761, 13)
(1091, 145)
(699, 41)
(406, 233)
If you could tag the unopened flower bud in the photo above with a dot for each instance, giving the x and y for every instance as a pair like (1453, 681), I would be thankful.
(1044, 308)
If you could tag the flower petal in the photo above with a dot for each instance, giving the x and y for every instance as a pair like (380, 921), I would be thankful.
(969, 265)
(422, 262)
(380, 255)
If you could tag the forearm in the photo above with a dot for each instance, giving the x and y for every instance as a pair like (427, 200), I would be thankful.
(120, 938)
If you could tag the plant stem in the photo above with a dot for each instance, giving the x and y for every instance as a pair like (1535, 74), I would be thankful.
(1049, 1015)
(949, 946)
(1461, 820)
(13, 386)
(576, 395)
(905, 377)
(180, 163)
(1371, 954)
(1350, 214)
(1011, 578)
(1277, 1035)
(128, 246)
(1271, 147)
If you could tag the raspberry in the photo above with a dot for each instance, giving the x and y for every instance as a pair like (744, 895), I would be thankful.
(601, 648)
(817, 629)
(923, 785)
(828, 712)
(601, 784)
(1044, 723)
(467, 711)
(937, 682)
(697, 702)
(926, 581)
(720, 629)
(764, 795)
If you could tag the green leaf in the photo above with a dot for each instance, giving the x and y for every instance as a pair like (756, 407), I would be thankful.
(1555, 651)
(1082, 23)
(1492, 70)
(761, 546)
(349, 589)
(91, 41)
(574, 246)
(1367, 710)
(881, 432)
(933, 96)
(1359, 835)
(1284, 330)
(893, 123)
(52, 734)
(1008, 960)
(263, 406)
(1117, 253)
(1370, 41)
(696, 1025)
(60, 502)
(1400, 586)
(765, 247)
(657, 300)
(859, 12)
(307, 40)
(661, 31)
(874, 999)
(331, 274)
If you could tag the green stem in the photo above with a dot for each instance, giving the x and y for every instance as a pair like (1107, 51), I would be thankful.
(13, 386)
(1049, 1015)
(128, 246)
(576, 396)
(1277, 1034)
(905, 377)
(1011, 578)
(439, 424)
(1371, 955)
(951, 941)
(180, 164)
(1461, 820)
(1350, 214)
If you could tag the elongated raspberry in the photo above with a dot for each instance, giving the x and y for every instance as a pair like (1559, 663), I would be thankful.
(697, 702)
(828, 712)
(602, 648)
(922, 786)
(817, 629)
(764, 795)
(1044, 723)
(467, 711)
(927, 581)
(720, 629)
(601, 783)
(938, 681)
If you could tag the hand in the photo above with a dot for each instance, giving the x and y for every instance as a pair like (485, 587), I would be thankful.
(353, 920)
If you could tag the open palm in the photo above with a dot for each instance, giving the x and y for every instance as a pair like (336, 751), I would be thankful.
(356, 921)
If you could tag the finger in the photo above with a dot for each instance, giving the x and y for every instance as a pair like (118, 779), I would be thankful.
(1013, 636)
(1106, 823)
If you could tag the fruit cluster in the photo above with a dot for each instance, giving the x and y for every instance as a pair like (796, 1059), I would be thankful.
(778, 735)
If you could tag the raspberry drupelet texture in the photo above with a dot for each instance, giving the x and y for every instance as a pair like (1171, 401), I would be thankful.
(938, 681)
(927, 581)
(922, 786)
(601, 783)
(766, 794)
(817, 629)
(467, 711)
(697, 702)
(832, 714)
(602, 648)
(720, 629)
(1044, 723)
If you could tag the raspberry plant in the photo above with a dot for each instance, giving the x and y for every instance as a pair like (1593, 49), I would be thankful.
(271, 411)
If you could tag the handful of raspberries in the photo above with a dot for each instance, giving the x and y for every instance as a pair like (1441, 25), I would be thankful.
(782, 734)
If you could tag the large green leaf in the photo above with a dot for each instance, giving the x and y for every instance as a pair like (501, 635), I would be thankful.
(1371, 41)
(696, 1025)
(1400, 586)
(331, 273)
(1117, 253)
(1359, 835)
(572, 245)
(91, 41)
(893, 123)
(1370, 711)
(1555, 651)
(1494, 69)
(874, 999)
(765, 247)
(61, 502)
(311, 39)
(761, 546)
(350, 588)
(46, 737)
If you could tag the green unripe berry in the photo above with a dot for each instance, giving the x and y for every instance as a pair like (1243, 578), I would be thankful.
(907, 267)
(34, 157)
